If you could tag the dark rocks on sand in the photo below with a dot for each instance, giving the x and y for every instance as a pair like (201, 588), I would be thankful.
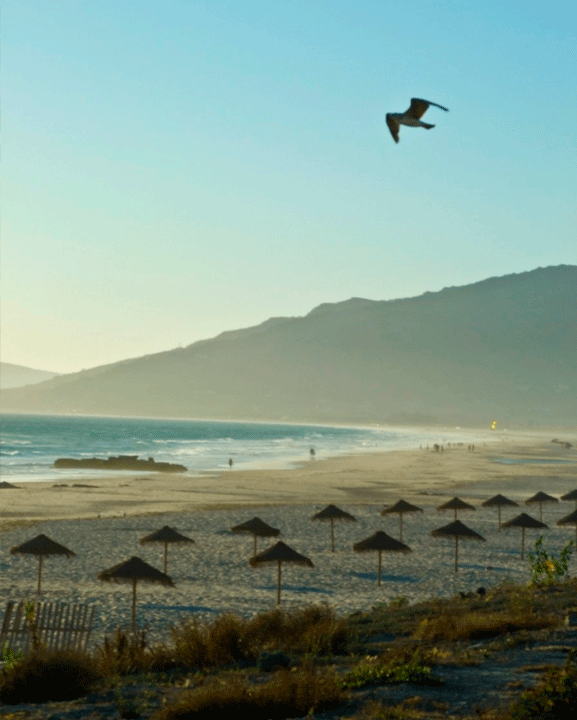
(120, 462)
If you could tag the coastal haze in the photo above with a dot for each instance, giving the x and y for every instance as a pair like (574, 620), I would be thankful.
(17, 375)
(504, 348)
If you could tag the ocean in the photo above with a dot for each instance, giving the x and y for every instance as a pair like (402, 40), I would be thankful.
(29, 444)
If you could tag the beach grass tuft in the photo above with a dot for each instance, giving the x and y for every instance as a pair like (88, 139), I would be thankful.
(48, 675)
(287, 695)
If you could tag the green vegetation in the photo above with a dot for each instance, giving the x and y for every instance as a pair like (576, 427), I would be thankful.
(555, 697)
(375, 671)
(547, 569)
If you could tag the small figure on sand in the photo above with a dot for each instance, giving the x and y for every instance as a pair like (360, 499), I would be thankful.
(230, 463)
(312, 453)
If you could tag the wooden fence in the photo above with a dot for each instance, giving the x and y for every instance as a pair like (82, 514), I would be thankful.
(56, 625)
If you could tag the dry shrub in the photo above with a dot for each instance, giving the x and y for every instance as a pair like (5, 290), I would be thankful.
(210, 645)
(287, 695)
(230, 638)
(477, 626)
(48, 675)
(313, 629)
(124, 653)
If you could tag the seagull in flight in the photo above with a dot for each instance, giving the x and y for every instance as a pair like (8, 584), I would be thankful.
(411, 117)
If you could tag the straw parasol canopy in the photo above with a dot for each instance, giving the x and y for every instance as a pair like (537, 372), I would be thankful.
(280, 553)
(166, 535)
(256, 527)
(541, 498)
(332, 513)
(570, 496)
(133, 571)
(570, 519)
(380, 542)
(499, 501)
(456, 504)
(524, 521)
(401, 507)
(457, 530)
(41, 545)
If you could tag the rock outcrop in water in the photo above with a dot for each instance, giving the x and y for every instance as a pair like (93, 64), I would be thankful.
(119, 462)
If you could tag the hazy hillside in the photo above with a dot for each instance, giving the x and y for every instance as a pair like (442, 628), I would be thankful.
(12, 376)
(503, 348)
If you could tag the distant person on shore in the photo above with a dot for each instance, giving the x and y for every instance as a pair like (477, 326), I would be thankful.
(312, 453)
(230, 463)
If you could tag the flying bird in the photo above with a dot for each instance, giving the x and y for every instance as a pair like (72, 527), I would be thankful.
(411, 117)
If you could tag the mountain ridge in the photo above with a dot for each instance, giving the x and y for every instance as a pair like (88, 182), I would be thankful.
(12, 376)
(505, 347)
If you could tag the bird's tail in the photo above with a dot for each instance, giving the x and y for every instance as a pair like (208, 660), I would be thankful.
(426, 125)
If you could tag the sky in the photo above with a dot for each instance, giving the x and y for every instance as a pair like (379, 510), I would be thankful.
(175, 169)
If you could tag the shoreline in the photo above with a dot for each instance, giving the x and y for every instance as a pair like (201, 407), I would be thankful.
(366, 477)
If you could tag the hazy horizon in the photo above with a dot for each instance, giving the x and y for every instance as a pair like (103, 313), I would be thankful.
(173, 171)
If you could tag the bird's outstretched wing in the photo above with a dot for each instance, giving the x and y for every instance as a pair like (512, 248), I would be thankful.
(393, 127)
(419, 107)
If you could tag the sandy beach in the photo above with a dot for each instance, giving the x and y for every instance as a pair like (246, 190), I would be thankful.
(103, 524)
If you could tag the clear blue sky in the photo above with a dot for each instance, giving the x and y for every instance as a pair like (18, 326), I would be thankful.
(175, 169)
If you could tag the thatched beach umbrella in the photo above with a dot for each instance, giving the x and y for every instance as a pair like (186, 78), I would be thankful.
(570, 496)
(540, 498)
(256, 527)
(499, 501)
(166, 535)
(332, 513)
(570, 519)
(133, 571)
(524, 521)
(380, 542)
(41, 546)
(401, 507)
(280, 553)
(457, 530)
(456, 504)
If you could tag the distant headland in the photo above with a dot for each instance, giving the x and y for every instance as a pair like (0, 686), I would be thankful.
(119, 462)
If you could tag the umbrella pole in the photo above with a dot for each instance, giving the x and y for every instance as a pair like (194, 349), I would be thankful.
(254, 545)
(401, 526)
(522, 542)
(278, 589)
(499, 509)
(165, 556)
(39, 572)
(456, 553)
(541, 512)
(333, 534)
(134, 605)
(379, 575)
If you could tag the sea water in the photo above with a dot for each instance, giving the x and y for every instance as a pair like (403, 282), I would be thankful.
(29, 444)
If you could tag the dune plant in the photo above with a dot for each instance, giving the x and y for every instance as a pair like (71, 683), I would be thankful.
(286, 695)
(44, 676)
(375, 671)
(10, 657)
(554, 697)
(547, 569)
